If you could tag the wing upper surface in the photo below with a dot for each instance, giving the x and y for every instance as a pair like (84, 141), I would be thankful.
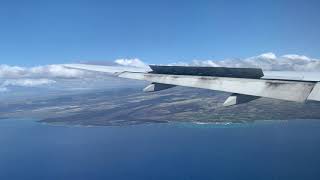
(285, 90)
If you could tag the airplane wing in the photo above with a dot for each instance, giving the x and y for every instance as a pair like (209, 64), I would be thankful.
(245, 84)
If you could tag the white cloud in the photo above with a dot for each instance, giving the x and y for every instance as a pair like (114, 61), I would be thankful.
(267, 61)
(267, 56)
(131, 62)
(4, 86)
(27, 82)
(64, 78)
(56, 71)
(49, 71)
(11, 71)
(296, 57)
(24, 83)
(205, 63)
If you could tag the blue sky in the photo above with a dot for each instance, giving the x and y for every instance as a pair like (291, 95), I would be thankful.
(159, 32)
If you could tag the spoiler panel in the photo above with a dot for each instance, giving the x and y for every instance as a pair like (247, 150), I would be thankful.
(250, 73)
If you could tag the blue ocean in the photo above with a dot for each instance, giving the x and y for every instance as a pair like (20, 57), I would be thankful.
(265, 150)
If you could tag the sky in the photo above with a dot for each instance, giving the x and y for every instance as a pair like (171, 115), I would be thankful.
(36, 37)
(38, 32)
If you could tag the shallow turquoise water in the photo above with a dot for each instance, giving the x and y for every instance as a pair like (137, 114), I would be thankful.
(264, 150)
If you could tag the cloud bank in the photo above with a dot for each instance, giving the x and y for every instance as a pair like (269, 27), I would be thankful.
(24, 83)
(49, 71)
(42, 76)
(132, 62)
(266, 61)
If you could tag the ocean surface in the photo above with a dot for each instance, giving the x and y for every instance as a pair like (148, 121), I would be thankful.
(264, 150)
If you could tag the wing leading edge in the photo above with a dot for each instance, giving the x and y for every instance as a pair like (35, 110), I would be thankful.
(239, 81)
